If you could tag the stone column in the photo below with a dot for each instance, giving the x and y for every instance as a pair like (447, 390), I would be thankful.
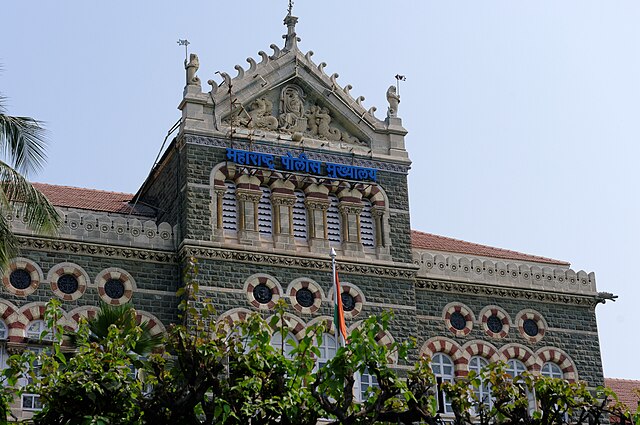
(317, 223)
(218, 232)
(247, 216)
(283, 221)
(351, 244)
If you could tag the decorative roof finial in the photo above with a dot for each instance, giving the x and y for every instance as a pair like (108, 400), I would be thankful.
(291, 39)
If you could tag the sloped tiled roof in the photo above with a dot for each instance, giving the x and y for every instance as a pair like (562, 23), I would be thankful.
(429, 241)
(87, 199)
(116, 202)
(626, 391)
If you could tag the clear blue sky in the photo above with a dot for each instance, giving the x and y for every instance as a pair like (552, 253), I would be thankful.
(523, 117)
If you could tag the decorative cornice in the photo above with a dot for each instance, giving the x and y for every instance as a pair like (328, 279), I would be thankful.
(298, 262)
(316, 156)
(511, 293)
(71, 247)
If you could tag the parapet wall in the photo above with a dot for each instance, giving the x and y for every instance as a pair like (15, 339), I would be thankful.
(521, 275)
(110, 229)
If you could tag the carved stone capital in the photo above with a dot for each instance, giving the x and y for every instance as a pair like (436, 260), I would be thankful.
(350, 208)
(317, 204)
(243, 195)
(288, 201)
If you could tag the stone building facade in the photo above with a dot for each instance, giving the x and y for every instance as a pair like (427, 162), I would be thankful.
(270, 170)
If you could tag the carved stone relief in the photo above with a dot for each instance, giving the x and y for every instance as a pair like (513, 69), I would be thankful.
(295, 115)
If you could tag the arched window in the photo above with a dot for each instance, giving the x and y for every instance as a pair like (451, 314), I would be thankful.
(328, 348)
(551, 370)
(515, 368)
(442, 367)
(4, 332)
(334, 230)
(32, 401)
(230, 208)
(367, 229)
(482, 391)
(35, 329)
(265, 212)
(300, 217)
(287, 345)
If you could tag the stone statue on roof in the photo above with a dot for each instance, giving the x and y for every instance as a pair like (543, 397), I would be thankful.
(394, 100)
(192, 67)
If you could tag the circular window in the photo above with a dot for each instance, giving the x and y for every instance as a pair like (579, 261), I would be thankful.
(458, 318)
(494, 323)
(348, 302)
(68, 281)
(262, 293)
(530, 327)
(458, 321)
(20, 279)
(305, 297)
(114, 288)
(68, 284)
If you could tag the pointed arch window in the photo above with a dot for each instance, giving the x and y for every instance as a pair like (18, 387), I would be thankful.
(300, 217)
(367, 229)
(334, 230)
(230, 208)
(265, 212)
(36, 328)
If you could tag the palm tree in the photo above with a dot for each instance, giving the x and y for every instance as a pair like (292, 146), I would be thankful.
(22, 145)
(124, 318)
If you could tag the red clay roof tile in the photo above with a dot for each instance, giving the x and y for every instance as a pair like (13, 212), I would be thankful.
(627, 391)
(429, 241)
(86, 199)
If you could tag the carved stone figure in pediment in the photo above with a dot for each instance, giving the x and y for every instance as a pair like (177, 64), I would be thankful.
(258, 115)
(292, 115)
(319, 119)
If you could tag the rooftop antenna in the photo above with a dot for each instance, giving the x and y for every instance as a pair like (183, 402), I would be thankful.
(184, 43)
(398, 79)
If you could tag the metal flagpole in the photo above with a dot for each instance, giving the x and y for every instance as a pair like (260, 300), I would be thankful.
(336, 313)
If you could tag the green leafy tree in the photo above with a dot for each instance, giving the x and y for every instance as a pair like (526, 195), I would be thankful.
(23, 150)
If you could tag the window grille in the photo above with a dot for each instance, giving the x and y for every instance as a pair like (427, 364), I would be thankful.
(4, 333)
(334, 233)
(300, 217)
(287, 345)
(36, 328)
(482, 391)
(515, 368)
(327, 349)
(367, 229)
(230, 208)
(32, 401)
(442, 367)
(551, 370)
(365, 385)
(265, 213)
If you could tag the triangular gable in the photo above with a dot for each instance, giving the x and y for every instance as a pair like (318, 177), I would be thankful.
(287, 93)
